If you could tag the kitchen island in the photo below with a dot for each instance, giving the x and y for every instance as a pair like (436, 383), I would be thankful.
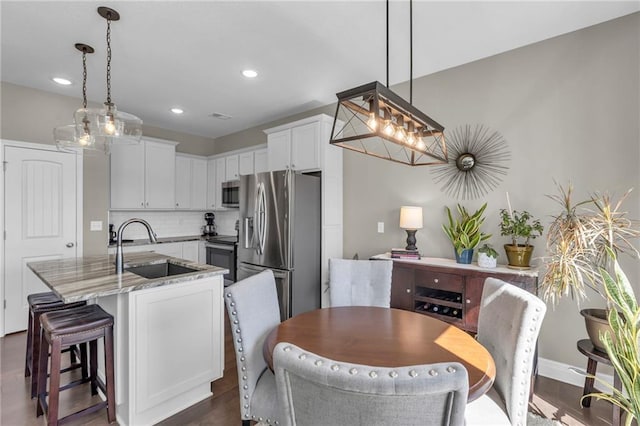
(168, 332)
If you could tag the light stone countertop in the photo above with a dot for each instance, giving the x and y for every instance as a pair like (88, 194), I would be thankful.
(84, 278)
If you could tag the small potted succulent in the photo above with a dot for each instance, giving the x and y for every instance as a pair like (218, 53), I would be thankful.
(487, 256)
(521, 227)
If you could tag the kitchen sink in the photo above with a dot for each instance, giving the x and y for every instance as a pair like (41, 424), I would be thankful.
(159, 270)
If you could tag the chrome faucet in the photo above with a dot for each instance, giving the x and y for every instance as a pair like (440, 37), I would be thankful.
(119, 255)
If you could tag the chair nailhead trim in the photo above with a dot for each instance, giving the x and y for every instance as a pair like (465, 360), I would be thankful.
(451, 369)
(335, 367)
(413, 373)
(373, 374)
(302, 356)
(353, 371)
(433, 373)
(393, 374)
(287, 349)
(318, 363)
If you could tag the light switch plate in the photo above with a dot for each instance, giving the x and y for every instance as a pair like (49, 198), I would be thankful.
(96, 225)
(380, 227)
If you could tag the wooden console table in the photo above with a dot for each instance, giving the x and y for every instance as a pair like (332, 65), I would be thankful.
(448, 290)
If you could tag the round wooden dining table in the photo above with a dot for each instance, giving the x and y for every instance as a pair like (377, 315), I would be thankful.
(385, 337)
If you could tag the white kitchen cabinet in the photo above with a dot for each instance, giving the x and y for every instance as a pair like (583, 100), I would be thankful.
(231, 168)
(279, 150)
(295, 147)
(260, 161)
(245, 161)
(191, 182)
(127, 176)
(212, 188)
(183, 182)
(198, 183)
(160, 175)
(221, 176)
(143, 175)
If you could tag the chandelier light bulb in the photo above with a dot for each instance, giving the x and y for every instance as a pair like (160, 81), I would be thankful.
(411, 139)
(401, 134)
(389, 130)
(420, 144)
(372, 122)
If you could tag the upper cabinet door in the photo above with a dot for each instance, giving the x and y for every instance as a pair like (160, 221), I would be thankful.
(279, 150)
(305, 147)
(183, 182)
(246, 163)
(231, 172)
(198, 184)
(160, 174)
(220, 177)
(127, 176)
(212, 183)
(260, 161)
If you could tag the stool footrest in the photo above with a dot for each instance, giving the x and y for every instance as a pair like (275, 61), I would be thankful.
(88, 410)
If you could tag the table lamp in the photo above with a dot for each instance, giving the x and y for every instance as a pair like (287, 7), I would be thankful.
(411, 221)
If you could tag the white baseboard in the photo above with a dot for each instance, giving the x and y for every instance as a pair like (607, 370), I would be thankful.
(568, 373)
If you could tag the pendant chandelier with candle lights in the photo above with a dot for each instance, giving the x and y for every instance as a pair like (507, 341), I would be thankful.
(373, 120)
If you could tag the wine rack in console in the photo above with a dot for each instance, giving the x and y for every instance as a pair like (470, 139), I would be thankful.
(447, 290)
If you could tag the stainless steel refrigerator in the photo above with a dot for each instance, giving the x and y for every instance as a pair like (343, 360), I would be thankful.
(280, 229)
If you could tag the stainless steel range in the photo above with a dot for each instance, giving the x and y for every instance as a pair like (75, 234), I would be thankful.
(222, 252)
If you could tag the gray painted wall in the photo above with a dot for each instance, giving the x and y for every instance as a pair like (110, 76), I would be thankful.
(568, 108)
(30, 115)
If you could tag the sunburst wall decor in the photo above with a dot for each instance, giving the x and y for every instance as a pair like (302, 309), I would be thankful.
(478, 158)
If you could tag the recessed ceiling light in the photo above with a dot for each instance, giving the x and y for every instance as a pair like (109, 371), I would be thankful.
(177, 110)
(250, 73)
(61, 81)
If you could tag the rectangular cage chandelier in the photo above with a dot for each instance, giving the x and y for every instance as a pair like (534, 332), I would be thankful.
(373, 120)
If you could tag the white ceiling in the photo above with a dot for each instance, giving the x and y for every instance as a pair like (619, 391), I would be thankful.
(191, 54)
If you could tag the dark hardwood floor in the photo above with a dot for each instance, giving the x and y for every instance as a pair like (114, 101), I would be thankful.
(552, 399)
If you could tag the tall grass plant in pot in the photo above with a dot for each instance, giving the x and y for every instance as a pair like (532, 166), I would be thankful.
(464, 231)
(579, 240)
(584, 242)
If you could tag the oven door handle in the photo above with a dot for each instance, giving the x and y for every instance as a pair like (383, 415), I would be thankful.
(221, 247)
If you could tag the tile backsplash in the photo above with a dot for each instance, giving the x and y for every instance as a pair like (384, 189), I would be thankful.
(172, 223)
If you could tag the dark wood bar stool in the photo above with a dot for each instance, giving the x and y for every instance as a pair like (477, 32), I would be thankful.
(595, 356)
(40, 303)
(61, 329)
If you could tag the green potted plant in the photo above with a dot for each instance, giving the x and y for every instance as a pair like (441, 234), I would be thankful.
(621, 342)
(487, 256)
(464, 232)
(521, 227)
(578, 241)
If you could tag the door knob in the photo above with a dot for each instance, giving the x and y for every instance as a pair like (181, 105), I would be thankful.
(69, 245)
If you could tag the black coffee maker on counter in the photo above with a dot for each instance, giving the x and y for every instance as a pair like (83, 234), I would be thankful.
(209, 230)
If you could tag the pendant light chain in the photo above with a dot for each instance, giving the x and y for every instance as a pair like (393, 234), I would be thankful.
(410, 52)
(109, 59)
(387, 43)
(84, 78)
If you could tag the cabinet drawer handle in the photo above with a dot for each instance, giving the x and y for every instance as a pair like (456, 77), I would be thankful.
(468, 301)
(177, 204)
(142, 204)
(293, 166)
(435, 280)
(408, 290)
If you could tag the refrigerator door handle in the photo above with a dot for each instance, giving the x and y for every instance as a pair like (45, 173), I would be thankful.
(248, 225)
(261, 218)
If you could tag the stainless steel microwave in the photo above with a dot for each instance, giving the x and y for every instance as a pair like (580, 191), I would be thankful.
(231, 194)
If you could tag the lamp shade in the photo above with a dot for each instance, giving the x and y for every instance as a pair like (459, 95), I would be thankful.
(410, 217)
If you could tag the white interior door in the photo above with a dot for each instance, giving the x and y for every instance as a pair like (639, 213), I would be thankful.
(40, 222)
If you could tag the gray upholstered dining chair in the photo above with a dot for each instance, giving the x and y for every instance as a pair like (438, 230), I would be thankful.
(508, 326)
(253, 309)
(360, 282)
(313, 390)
